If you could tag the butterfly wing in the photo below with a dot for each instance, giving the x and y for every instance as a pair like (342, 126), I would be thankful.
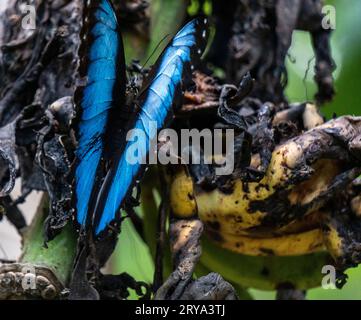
(156, 103)
(102, 67)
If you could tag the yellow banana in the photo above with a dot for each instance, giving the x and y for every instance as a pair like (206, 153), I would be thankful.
(287, 245)
(234, 212)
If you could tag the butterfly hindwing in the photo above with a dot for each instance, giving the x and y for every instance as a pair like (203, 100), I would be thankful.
(102, 69)
(156, 104)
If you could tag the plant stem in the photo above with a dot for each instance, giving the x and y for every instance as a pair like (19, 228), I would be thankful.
(59, 253)
(41, 271)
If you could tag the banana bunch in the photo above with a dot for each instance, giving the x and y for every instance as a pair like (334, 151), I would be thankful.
(303, 214)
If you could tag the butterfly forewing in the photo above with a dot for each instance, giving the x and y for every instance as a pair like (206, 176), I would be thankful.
(102, 68)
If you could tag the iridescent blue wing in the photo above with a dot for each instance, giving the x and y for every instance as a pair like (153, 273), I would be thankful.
(99, 101)
(156, 104)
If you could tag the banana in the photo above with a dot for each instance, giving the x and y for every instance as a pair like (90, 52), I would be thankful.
(235, 213)
(182, 196)
(275, 231)
(307, 112)
(300, 179)
(244, 271)
(286, 245)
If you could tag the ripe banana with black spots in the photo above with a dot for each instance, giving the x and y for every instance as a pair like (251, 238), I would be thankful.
(280, 215)
(280, 229)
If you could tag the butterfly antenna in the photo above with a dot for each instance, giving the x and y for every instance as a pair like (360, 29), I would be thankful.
(154, 50)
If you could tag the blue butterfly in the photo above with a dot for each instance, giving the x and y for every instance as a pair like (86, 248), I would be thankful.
(100, 111)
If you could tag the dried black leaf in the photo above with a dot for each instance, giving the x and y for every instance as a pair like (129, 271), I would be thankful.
(7, 158)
